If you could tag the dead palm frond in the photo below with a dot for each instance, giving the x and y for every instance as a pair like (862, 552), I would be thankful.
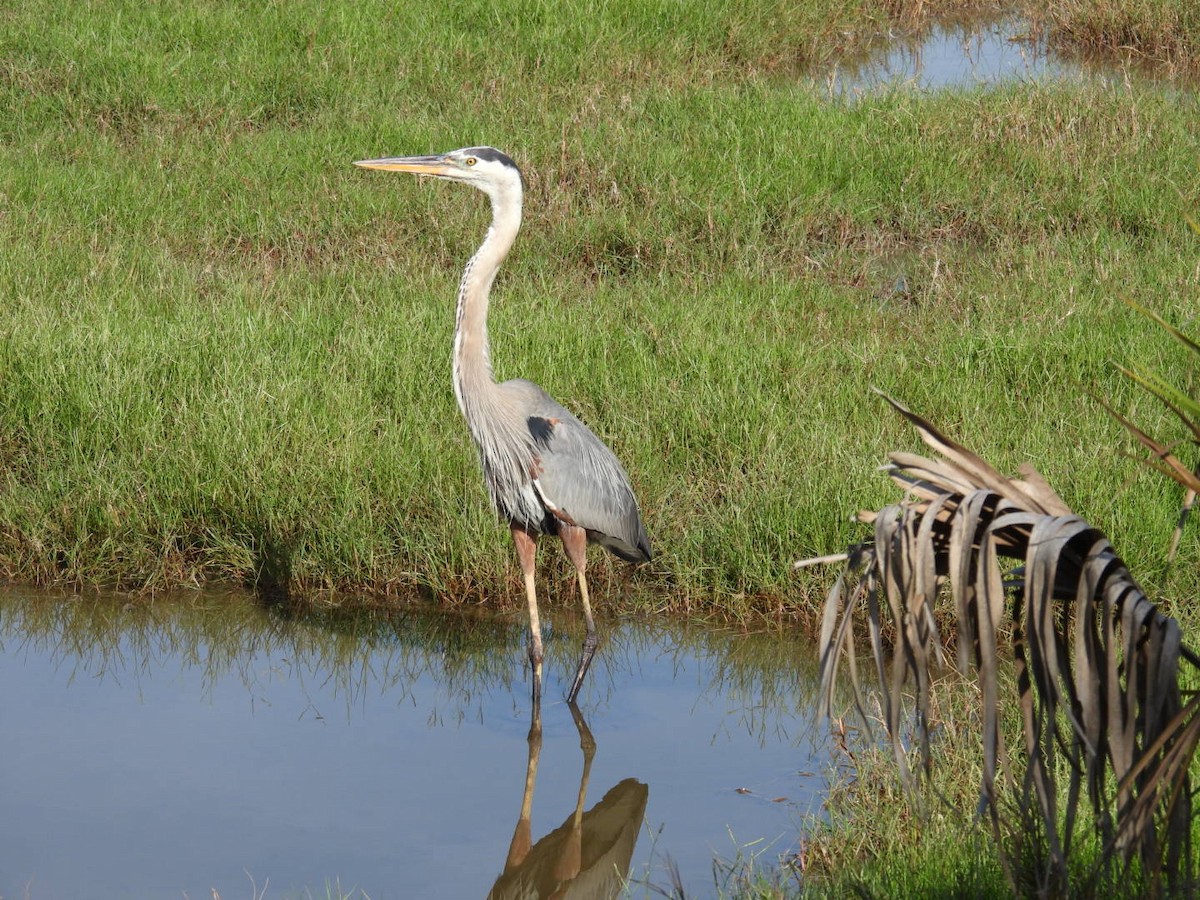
(1097, 665)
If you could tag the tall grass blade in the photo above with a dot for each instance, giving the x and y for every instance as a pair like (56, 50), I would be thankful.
(1184, 408)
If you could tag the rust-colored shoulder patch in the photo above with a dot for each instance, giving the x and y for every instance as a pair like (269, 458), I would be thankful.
(563, 517)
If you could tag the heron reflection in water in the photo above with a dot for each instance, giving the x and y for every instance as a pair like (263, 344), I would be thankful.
(547, 473)
(588, 855)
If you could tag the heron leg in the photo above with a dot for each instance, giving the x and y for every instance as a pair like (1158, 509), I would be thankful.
(526, 544)
(574, 541)
(571, 859)
(522, 840)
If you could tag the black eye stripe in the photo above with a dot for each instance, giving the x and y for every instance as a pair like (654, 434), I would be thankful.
(490, 154)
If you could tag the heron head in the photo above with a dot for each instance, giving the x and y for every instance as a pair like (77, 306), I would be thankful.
(483, 167)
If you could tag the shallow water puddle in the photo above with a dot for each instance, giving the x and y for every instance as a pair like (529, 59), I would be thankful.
(185, 748)
(960, 55)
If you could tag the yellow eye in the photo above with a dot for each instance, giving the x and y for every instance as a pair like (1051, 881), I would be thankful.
(470, 160)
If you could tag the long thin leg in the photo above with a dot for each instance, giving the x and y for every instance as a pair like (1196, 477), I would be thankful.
(574, 541)
(522, 839)
(526, 543)
(571, 860)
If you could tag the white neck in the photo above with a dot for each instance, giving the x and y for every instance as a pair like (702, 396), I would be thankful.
(472, 362)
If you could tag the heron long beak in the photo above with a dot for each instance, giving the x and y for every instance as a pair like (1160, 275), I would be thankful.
(419, 165)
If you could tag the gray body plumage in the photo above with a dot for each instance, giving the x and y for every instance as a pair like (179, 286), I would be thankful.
(564, 474)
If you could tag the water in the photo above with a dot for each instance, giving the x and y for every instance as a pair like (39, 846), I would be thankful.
(962, 55)
(214, 748)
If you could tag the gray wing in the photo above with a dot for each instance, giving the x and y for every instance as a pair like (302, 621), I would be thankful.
(579, 479)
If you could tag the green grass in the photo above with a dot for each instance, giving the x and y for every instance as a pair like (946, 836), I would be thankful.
(225, 350)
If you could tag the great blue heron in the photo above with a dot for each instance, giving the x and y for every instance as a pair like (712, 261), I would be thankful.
(545, 470)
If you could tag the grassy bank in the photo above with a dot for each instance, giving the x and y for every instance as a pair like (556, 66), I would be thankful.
(225, 352)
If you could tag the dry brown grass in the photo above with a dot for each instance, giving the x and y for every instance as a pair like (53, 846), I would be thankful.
(1164, 34)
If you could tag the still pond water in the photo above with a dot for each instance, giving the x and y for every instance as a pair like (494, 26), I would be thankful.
(206, 746)
(973, 53)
